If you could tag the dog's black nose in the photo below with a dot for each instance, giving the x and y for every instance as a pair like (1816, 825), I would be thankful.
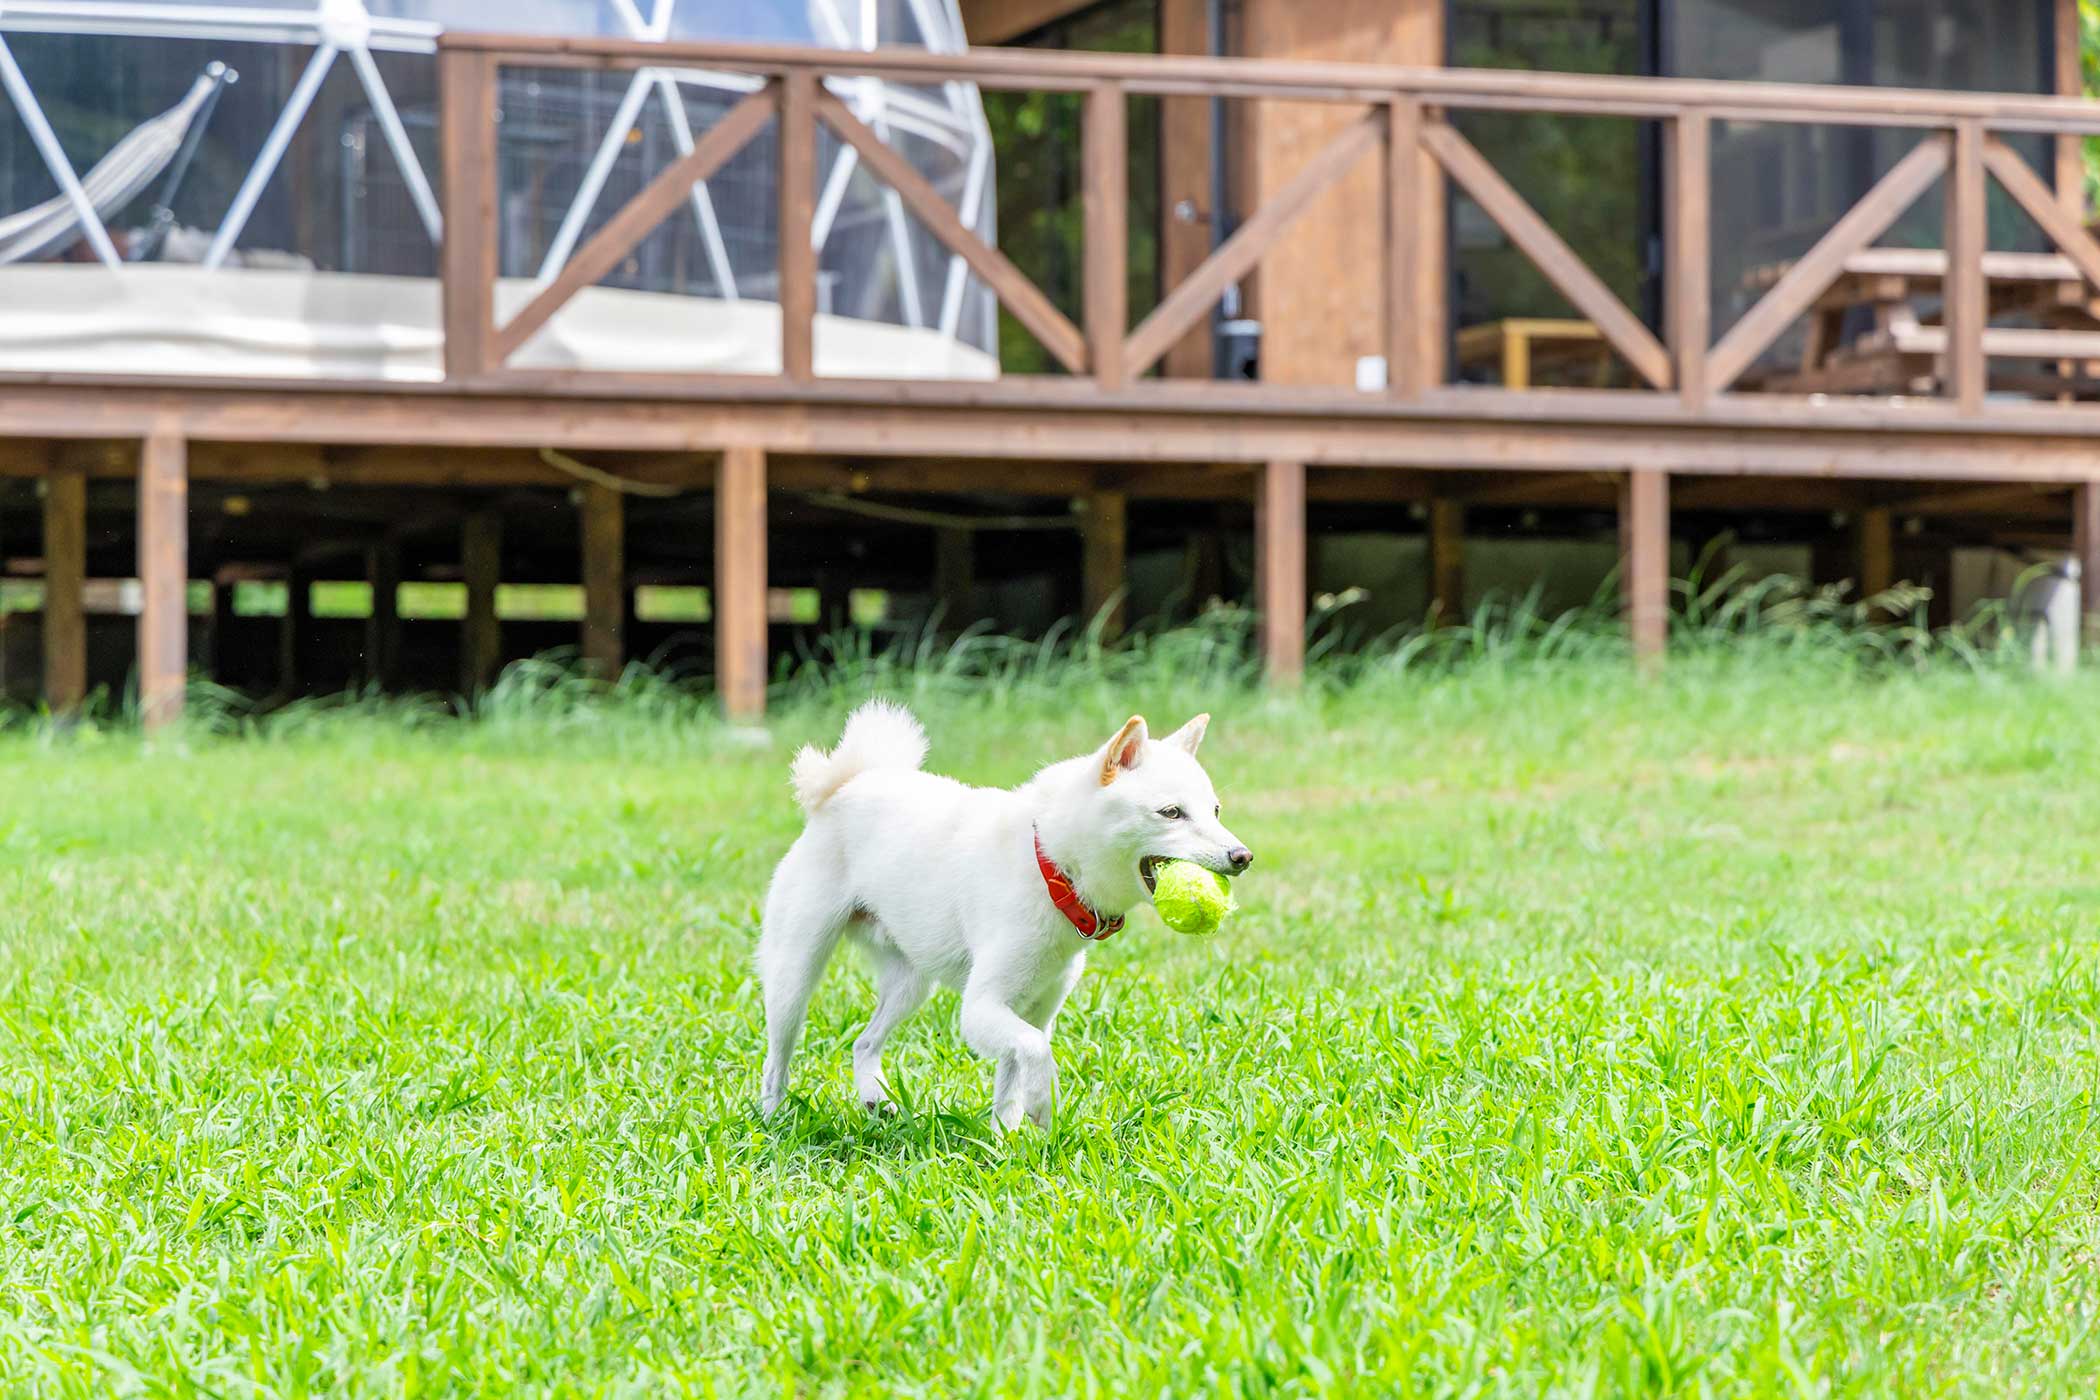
(1240, 857)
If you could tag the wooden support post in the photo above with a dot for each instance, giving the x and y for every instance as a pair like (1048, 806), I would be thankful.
(383, 625)
(955, 576)
(604, 579)
(163, 564)
(1447, 561)
(797, 208)
(740, 583)
(1279, 568)
(1644, 562)
(1874, 551)
(2085, 547)
(1104, 537)
(1966, 300)
(65, 579)
(481, 635)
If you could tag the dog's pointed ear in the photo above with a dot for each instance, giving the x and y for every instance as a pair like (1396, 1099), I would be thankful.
(1189, 737)
(1123, 751)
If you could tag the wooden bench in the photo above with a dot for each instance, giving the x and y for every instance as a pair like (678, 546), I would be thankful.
(1900, 353)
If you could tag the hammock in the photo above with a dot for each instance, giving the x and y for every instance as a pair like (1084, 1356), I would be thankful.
(121, 176)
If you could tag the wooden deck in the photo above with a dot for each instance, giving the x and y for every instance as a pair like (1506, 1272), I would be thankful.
(1109, 430)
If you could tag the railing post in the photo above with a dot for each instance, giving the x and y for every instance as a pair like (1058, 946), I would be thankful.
(1105, 176)
(1966, 298)
(798, 260)
(467, 258)
(1413, 230)
(1688, 250)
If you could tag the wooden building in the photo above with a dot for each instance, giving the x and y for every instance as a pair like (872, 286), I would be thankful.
(1814, 275)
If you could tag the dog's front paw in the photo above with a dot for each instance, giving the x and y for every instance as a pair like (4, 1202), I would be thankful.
(879, 1105)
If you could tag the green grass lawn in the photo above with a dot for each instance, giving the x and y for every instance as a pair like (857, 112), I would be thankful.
(1734, 1033)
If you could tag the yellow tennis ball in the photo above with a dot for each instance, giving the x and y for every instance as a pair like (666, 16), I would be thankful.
(1189, 898)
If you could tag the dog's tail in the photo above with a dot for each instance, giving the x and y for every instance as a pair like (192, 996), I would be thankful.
(879, 734)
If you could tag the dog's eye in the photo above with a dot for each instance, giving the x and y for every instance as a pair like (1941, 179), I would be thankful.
(1172, 814)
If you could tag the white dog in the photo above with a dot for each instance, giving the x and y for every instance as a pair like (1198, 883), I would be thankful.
(994, 893)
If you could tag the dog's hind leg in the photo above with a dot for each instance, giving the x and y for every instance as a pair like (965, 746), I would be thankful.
(899, 991)
(804, 919)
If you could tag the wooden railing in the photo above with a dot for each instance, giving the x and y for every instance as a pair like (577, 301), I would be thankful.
(1405, 122)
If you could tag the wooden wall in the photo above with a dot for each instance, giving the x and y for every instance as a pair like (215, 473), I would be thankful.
(1319, 292)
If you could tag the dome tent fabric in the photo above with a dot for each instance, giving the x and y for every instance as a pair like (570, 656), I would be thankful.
(321, 160)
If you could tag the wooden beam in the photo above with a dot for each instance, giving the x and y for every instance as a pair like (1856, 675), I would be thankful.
(604, 579)
(1535, 489)
(1966, 297)
(2085, 547)
(65, 575)
(1688, 250)
(481, 633)
(1549, 253)
(467, 256)
(1103, 535)
(383, 626)
(1015, 291)
(639, 217)
(740, 583)
(797, 135)
(1105, 179)
(1785, 495)
(1813, 273)
(1447, 561)
(1874, 551)
(163, 564)
(1061, 420)
(1192, 300)
(1279, 568)
(1644, 562)
(2017, 498)
(1002, 21)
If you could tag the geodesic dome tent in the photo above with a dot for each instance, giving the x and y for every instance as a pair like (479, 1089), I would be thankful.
(247, 188)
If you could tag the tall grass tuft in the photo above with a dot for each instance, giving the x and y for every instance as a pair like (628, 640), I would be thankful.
(1724, 627)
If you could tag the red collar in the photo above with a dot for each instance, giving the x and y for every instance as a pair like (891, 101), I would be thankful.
(1091, 926)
